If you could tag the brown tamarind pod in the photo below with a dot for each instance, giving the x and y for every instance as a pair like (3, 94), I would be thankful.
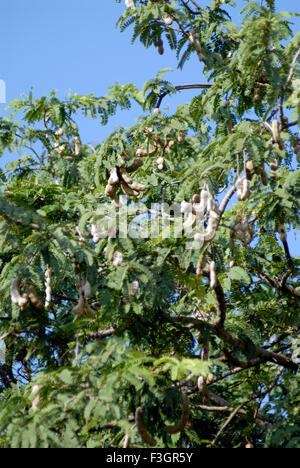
(196, 198)
(135, 165)
(167, 20)
(264, 176)
(179, 427)
(250, 169)
(126, 189)
(243, 190)
(282, 232)
(138, 187)
(229, 125)
(139, 421)
(202, 387)
(256, 95)
(62, 148)
(275, 130)
(142, 153)
(16, 297)
(276, 134)
(213, 275)
(127, 179)
(79, 308)
(160, 47)
(274, 164)
(114, 177)
(33, 297)
(77, 145)
(181, 136)
(159, 141)
(110, 191)
(126, 441)
(125, 155)
(134, 288)
(249, 445)
(59, 132)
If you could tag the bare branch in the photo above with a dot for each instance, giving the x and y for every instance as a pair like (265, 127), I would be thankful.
(180, 88)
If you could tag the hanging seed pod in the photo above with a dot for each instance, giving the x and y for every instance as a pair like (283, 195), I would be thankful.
(201, 265)
(114, 178)
(143, 153)
(16, 297)
(62, 148)
(139, 421)
(79, 308)
(48, 287)
(126, 189)
(160, 47)
(135, 165)
(282, 232)
(276, 134)
(211, 231)
(243, 189)
(274, 164)
(77, 145)
(138, 187)
(190, 221)
(185, 207)
(250, 169)
(34, 298)
(264, 176)
(213, 275)
(256, 95)
(127, 179)
(82, 308)
(117, 258)
(196, 198)
(126, 441)
(179, 427)
(181, 136)
(129, 4)
(97, 234)
(86, 288)
(204, 195)
(249, 445)
(167, 20)
(134, 288)
(59, 133)
(202, 386)
(275, 131)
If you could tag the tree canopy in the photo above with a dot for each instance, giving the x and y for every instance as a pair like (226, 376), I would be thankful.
(149, 291)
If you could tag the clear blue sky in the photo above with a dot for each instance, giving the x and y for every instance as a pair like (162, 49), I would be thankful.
(71, 44)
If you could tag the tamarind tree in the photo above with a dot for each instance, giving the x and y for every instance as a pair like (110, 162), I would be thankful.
(118, 334)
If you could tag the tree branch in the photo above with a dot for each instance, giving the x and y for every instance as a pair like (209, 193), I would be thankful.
(221, 333)
(180, 88)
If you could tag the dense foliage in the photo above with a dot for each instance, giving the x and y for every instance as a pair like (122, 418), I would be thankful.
(141, 340)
